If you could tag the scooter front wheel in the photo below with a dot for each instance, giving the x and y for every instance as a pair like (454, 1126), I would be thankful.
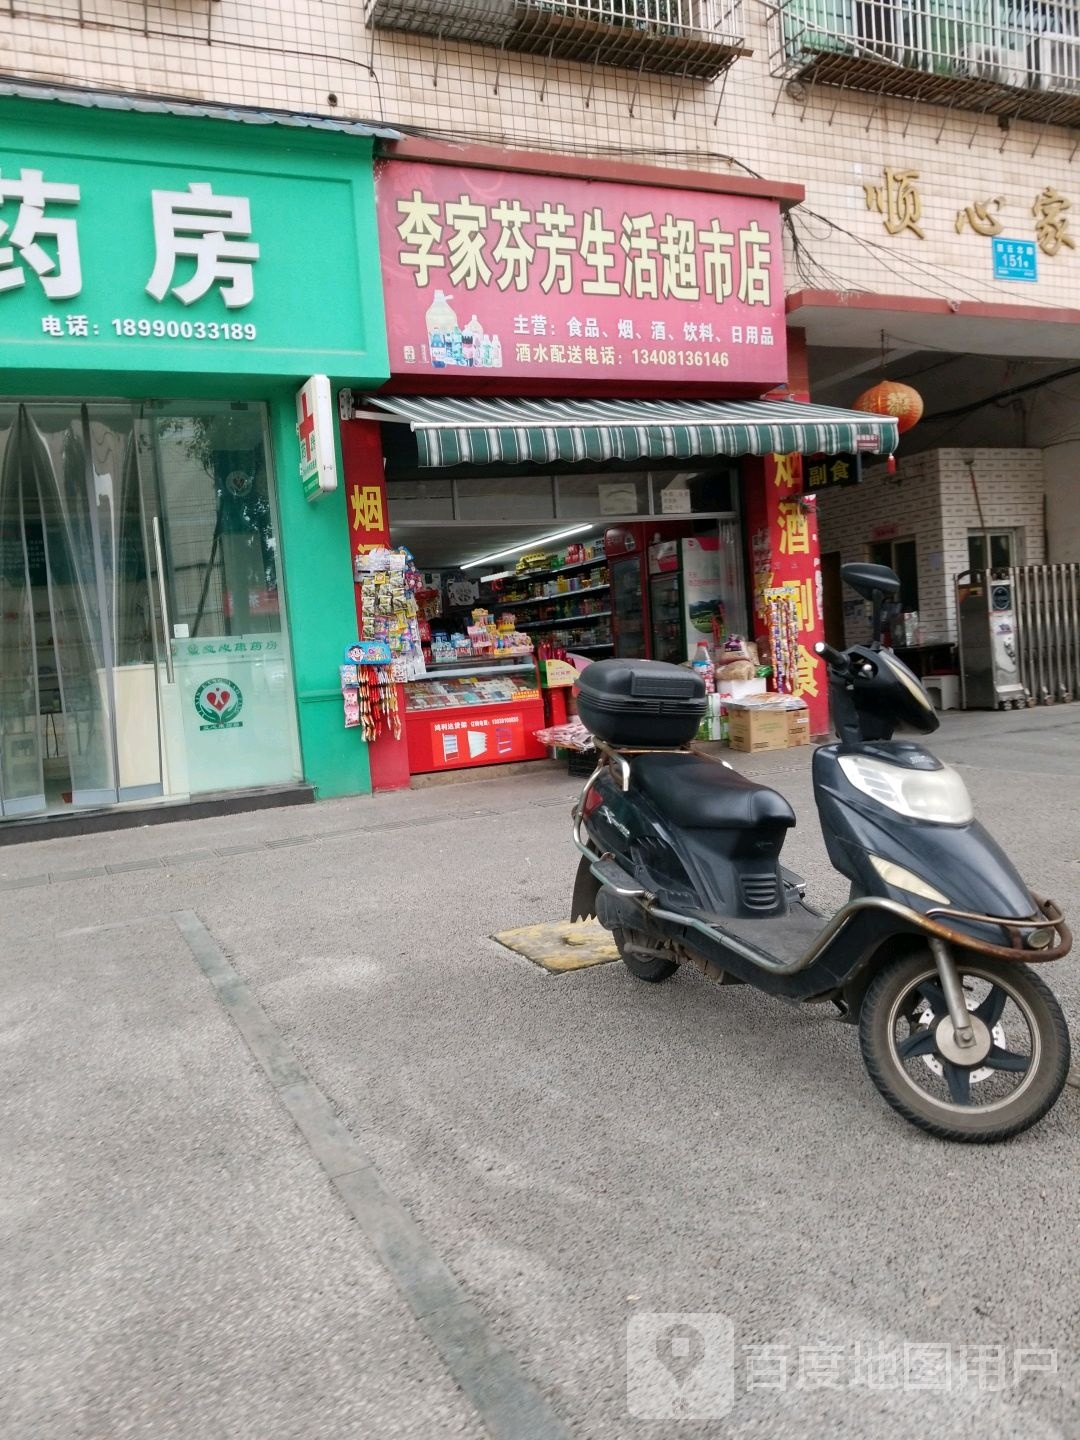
(996, 1088)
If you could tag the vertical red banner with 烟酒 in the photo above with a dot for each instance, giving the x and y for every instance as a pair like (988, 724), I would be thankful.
(369, 525)
(785, 553)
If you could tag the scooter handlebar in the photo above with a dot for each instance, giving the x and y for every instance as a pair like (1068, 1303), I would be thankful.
(835, 659)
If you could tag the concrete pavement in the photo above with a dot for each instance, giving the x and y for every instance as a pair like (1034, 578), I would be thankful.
(581, 1152)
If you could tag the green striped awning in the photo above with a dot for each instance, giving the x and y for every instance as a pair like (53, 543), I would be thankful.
(453, 431)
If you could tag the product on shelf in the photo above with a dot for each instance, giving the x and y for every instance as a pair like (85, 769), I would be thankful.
(388, 583)
(369, 691)
(703, 665)
(484, 637)
(737, 659)
(783, 621)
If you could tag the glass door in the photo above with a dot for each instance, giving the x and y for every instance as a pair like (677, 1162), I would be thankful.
(227, 696)
(627, 607)
(22, 782)
(665, 607)
(84, 640)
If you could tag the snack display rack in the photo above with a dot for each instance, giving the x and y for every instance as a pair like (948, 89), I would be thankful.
(474, 711)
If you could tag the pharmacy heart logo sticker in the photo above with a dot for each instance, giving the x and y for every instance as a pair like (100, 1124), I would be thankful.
(218, 703)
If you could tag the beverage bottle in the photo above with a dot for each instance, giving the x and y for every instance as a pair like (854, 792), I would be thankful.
(441, 321)
(703, 666)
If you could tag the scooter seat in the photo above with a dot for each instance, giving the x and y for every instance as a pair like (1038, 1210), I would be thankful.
(701, 794)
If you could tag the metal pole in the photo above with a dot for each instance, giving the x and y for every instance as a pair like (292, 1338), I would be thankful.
(1073, 572)
(165, 626)
(1018, 579)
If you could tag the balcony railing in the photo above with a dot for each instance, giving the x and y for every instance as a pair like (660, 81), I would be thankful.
(1020, 60)
(697, 39)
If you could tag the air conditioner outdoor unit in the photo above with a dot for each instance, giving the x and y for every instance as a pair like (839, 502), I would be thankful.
(994, 62)
(876, 27)
(1057, 62)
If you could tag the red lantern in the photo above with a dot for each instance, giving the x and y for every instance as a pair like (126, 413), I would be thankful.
(890, 397)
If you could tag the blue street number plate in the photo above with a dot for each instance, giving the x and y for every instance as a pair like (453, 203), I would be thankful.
(1015, 259)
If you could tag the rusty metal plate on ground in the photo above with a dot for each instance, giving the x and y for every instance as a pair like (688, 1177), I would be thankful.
(562, 945)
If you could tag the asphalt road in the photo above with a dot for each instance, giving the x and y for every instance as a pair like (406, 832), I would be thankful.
(592, 1177)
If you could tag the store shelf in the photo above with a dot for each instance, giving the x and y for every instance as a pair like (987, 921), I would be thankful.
(568, 620)
(563, 570)
(494, 657)
(467, 670)
(544, 599)
(584, 649)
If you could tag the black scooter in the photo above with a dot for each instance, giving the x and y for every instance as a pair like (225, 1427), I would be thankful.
(930, 956)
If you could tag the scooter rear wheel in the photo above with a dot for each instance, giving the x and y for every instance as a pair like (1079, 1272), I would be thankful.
(1015, 1074)
(645, 967)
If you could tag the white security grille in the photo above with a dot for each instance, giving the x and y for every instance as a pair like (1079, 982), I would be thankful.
(1018, 58)
(695, 38)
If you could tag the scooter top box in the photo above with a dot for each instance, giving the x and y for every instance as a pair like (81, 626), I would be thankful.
(641, 702)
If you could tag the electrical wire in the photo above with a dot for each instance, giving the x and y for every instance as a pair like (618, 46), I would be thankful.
(971, 406)
(812, 272)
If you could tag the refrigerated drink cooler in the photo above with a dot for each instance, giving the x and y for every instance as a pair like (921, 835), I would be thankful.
(627, 606)
(989, 663)
(688, 595)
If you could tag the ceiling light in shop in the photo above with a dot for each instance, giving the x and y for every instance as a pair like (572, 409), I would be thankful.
(498, 575)
(535, 544)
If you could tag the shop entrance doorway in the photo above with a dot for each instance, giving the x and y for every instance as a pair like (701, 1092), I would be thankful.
(526, 579)
(80, 638)
(143, 653)
(594, 559)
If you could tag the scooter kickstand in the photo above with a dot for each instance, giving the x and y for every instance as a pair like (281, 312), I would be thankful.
(953, 991)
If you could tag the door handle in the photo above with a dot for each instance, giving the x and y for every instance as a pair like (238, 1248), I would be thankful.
(166, 627)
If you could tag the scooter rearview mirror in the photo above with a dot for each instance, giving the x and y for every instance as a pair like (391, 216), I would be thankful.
(879, 616)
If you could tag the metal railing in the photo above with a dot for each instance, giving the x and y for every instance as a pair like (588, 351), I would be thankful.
(677, 36)
(1046, 608)
(1029, 46)
(704, 18)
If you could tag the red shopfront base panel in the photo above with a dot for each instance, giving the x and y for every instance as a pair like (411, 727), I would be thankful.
(474, 735)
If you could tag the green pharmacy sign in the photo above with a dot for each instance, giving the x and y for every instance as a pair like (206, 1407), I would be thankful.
(181, 245)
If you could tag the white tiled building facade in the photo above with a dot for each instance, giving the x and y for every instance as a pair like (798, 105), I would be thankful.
(323, 58)
(932, 500)
(948, 169)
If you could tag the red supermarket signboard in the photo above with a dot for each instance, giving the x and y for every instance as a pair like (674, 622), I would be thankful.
(528, 277)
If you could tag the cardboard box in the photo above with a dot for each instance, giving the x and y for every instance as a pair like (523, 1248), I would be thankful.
(739, 689)
(798, 723)
(757, 728)
(556, 674)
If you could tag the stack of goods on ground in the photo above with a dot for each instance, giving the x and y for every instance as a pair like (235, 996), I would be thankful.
(752, 718)
(741, 710)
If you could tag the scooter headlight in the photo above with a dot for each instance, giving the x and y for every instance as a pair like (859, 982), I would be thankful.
(939, 796)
